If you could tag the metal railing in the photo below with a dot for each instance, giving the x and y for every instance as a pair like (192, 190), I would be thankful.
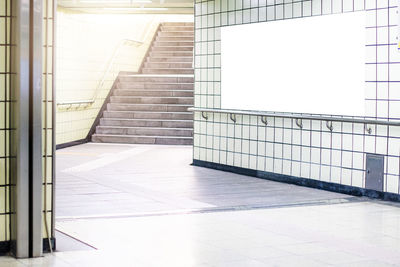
(88, 102)
(298, 117)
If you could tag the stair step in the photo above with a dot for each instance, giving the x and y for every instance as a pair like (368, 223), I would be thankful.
(147, 107)
(175, 38)
(146, 123)
(170, 59)
(156, 86)
(172, 49)
(177, 24)
(157, 79)
(129, 139)
(158, 93)
(173, 43)
(175, 33)
(165, 65)
(148, 115)
(147, 131)
(176, 28)
(167, 71)
(171, 54)
(151, 100)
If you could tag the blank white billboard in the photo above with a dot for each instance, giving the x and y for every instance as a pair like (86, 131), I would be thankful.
(306, 65)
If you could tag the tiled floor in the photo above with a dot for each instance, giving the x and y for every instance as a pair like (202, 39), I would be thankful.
(351, 234)
(203, 217)
(97, 180)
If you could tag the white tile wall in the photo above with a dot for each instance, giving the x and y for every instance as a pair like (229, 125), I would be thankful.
(312, 152)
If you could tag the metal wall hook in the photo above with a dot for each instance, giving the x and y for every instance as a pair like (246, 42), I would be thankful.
(299, 123)
(329, 125)
(232, 117)
(367, 129)
(204, 115)
(264, 120)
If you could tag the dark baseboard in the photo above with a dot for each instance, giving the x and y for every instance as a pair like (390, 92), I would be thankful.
(46, 247)
(339, 188)
(73, 143)
(4, 248)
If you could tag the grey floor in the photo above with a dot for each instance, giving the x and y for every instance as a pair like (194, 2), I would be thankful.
(98, 180)
(126, 205)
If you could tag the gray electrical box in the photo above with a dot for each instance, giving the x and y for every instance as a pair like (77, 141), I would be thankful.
(374, 172)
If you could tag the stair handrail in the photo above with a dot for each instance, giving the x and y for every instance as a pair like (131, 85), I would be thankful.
(88, 102)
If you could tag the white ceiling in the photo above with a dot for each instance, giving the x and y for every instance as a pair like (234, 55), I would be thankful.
(129, 6)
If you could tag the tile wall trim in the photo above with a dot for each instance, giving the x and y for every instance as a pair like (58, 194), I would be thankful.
(332, 187)
(73, 143)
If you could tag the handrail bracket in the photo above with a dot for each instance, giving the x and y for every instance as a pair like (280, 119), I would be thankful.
(367, 129)
(232, 117)
(264, 120)
(204, 115)
(299, 123)
(329, 125)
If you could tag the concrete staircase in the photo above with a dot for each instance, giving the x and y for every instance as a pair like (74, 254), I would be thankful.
(151, 107)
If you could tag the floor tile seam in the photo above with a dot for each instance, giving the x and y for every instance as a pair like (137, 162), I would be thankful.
(326, 202)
